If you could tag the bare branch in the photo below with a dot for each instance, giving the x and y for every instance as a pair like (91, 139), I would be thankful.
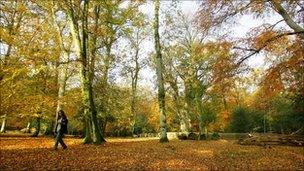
(246, 49)
(272, 26)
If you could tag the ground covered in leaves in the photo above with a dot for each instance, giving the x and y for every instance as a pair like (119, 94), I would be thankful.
(25, 153)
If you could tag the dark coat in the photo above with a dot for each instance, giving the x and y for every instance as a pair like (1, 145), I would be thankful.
(62, 126)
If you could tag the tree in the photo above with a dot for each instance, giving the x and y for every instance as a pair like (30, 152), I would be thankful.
(207, 117)
(29, 74)
(159, 74)
(81, 43)
(133, 61)
(209, 18)
(62, 72)
(117, 24)
(12, 13)
(172, 78)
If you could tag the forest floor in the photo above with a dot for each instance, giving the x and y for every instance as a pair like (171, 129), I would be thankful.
(26, 153)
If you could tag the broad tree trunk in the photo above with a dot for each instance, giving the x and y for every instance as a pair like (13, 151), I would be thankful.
(82, 47)
(88, 132)
(3, 126)
(160, 79)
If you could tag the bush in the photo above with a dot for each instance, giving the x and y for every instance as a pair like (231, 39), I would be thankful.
(202, 137)
(182, 136)
(241, 121)
(192, 136)
(288, 113)
(215, 136)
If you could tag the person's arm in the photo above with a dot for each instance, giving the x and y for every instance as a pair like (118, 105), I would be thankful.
(55, 130)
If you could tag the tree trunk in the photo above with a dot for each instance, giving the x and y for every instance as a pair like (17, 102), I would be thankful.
(88, 132)
(185, 125)
(3, 126)
(103, 126)
(183, 116)
(199, 108)
(86, 82)
(160, 79)
(61, 69)
(134, 91)
(27, 130)
(106, 71)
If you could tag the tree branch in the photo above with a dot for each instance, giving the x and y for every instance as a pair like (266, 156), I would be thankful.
(289, 21)
(256, 51)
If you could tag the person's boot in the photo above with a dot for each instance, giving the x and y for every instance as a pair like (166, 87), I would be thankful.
(64, 147)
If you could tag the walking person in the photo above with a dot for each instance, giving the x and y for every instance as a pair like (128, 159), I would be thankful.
(60, 129)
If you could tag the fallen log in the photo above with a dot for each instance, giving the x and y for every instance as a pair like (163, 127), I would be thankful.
(273, 139)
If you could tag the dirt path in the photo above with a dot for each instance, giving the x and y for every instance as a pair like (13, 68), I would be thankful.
(145, 154)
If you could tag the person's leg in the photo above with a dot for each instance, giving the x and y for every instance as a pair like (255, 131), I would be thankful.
(64, 146)
(57, 140)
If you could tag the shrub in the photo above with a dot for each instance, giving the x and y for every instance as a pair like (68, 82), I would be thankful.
(241, 121)
(215, 136)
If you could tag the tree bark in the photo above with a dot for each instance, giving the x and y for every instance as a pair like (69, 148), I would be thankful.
(134, 89)
(159, 74)
(86, 81)
(202, 125)
(183, 116)
(88, 131)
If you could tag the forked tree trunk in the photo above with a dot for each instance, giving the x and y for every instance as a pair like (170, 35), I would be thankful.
(86, 82)
(160, 79)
